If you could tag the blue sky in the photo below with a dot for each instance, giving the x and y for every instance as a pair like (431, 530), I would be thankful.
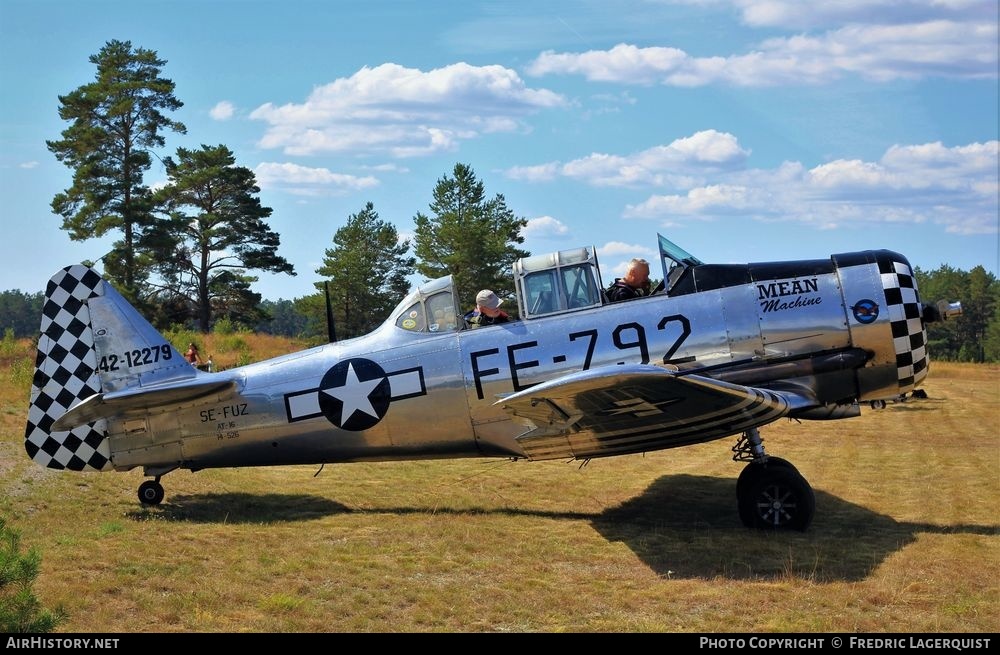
(743, 130)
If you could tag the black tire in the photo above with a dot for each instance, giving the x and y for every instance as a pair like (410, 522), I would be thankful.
(777, 498)
(752, 471)
(150, 493)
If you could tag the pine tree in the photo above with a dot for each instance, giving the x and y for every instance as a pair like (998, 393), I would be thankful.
(469, 237)
(20, 610)
(115, 122)
(367, 269)
(214, 233)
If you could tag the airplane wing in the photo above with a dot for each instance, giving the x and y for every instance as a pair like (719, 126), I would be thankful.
(614, 410)
(106, 405)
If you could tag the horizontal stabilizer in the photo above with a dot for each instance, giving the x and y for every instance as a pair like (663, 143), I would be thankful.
(115, 403)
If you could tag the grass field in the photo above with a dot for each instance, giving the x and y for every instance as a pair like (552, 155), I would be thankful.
(905, 536)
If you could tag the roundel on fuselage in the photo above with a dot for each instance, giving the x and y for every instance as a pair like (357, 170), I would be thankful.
(354, 394)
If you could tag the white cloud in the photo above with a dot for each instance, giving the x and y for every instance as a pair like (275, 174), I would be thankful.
(673, 164)
(963, 48)
(620, 248)
(956, 187)
(616, 255)
(388, 167)
(798, 14)
(222, 111)
(713, 199)
(302, 180)
(539, 173)
(544, 227)
(404, 112)
(28, 164)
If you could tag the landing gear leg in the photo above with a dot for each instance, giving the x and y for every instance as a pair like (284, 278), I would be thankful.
(151, 492)
(770, 493)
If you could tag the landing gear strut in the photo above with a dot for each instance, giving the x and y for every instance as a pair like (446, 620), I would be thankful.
(770, 493)
(151, 492)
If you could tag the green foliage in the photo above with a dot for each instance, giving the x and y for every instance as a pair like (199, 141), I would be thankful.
(975, 335)
(991, 346)
(213, 232)
(115, 122)
(8, 345)
(20, 610)
(367, 268)
(230, 339)
(21, 311)
(313, 310)
(20, 372)
(283, 319)
(469, 237)
(224, 326)
(180, 337)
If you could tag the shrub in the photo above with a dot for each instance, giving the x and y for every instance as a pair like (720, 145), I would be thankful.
(20, 611)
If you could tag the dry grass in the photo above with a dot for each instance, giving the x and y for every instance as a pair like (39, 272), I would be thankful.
(905, 536)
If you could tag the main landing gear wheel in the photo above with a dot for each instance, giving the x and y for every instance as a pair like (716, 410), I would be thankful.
(151, 492)
(775, 498)
(753, 470)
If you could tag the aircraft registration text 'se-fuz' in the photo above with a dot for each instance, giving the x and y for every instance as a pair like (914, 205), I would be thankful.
(716, 350)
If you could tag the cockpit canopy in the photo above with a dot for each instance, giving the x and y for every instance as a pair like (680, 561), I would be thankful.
(431, 307)
(557, 282)
(545, 285)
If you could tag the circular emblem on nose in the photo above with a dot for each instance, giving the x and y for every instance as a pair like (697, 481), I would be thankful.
(865, 311)
(354, 394)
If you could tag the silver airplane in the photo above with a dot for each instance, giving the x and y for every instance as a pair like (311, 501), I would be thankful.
(716, 350)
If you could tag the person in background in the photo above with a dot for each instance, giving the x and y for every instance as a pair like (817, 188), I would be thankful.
(487, 311)
(635, 284)
(192, 355)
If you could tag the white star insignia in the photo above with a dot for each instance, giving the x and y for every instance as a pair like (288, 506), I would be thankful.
(354, 395)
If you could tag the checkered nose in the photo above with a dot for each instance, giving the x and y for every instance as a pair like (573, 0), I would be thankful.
(908, 336)
(66, 373)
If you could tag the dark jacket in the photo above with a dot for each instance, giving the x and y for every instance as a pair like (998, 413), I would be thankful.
(475, 319)
(622, 291)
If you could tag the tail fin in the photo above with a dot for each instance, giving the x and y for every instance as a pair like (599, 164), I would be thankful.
(92, 342)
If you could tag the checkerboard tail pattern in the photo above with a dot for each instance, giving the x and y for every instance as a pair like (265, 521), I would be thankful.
(908, 336)
(66, 373)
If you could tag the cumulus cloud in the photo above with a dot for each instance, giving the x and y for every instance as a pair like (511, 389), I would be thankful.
(538, 173)
(222, 111)
(302, 180)
(404, 112)
(713, 199)
(620, 249)
(544, 227)
(615, 256)
(949, 39)
(955, 187)
(671, 164)
(797, 14)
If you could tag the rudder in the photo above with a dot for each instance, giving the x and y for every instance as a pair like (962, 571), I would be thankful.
(66, 373)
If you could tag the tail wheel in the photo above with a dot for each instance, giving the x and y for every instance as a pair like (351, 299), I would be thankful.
(150, 493)
(777, 498)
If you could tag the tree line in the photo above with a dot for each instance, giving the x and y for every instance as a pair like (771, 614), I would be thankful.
(973, 337)
(186, 252)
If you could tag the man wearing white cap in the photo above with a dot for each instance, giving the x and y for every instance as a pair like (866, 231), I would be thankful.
(487, 311)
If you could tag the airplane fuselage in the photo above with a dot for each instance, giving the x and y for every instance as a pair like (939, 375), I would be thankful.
(397, 394)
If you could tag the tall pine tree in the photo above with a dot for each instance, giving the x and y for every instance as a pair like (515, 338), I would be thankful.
(115, 122)
(367, 269)
(469, 236)
(215, 232)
